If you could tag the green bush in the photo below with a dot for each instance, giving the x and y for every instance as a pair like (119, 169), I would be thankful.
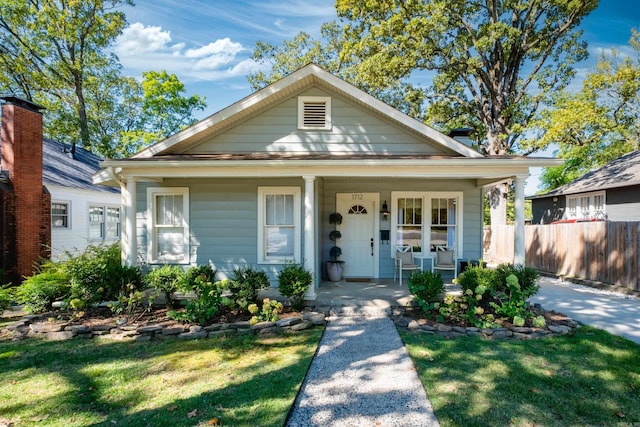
(206, 303)
(97, 274)
(39, 291)
(166, 279)
(6, 297)
(244, 286)
(293, 282)
(270, 311)
(527, 278)
(426, 287)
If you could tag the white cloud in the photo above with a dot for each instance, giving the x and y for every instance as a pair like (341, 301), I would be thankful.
(138, 39)
(222, 46)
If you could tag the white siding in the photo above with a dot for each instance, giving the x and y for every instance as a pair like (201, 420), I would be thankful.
(354, 130)
(75, 238)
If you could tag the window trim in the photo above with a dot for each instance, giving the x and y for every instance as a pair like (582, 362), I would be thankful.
(297, 224)
(578, 206)
(426, 197)
(103, 224)
(327, 114)
(152, 193)
(67, 203)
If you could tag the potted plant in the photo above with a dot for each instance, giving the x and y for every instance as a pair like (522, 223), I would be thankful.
(335, 266)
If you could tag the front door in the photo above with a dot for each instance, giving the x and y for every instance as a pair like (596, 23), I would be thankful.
(359, 241)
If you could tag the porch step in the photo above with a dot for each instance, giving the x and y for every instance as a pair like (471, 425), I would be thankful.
(358, 311)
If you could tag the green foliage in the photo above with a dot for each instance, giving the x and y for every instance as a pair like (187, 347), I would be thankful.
(244, 286)
(166, 279)
(426, 287)
(207, 301)
(131, 303)
(39, 291)
(489, 296)
(293, 282)
(97, 274)
(270, 311)
(6, 297)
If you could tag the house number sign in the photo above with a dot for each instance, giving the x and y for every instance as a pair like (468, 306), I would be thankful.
(357, 196)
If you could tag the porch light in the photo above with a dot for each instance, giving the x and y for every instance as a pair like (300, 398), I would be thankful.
(385, 211)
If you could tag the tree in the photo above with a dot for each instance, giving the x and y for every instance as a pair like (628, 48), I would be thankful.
(51, 49)
(163, 111)
(597, 124)
(495, 61)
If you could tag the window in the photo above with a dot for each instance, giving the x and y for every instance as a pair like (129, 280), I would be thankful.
(278, 224)
(314, 112)
(104, 222)
(427, 220)
(60, 215)
(591, 205)
(168, 224)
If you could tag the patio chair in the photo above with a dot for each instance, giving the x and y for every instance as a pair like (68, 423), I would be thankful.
(404, 261)
(445, 260)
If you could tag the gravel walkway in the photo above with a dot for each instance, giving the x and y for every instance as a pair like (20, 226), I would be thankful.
(362, 376)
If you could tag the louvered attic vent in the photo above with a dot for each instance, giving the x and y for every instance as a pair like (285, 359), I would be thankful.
(314, 112)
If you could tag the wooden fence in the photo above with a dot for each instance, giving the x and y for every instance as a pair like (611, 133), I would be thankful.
(603, 251)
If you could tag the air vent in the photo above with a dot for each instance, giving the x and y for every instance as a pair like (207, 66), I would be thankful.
(314, 112)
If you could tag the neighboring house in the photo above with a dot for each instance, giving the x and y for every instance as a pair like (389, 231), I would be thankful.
(611, 192)
(255, 183)
(68, 212)
(82, 213)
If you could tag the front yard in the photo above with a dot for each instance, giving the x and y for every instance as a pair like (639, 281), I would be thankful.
(239, 381)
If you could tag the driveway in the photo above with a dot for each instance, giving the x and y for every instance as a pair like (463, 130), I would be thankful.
(615, 313)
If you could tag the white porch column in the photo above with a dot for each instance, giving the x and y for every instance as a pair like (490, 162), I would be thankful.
(129, 241)
(309, 234)
(518, 243)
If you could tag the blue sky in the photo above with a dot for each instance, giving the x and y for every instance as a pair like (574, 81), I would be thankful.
(208, 43)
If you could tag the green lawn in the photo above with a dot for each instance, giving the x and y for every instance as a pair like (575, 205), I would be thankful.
(587, 378)
(241, 381)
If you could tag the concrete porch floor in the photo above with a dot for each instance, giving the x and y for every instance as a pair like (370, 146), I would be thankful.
(378, 293)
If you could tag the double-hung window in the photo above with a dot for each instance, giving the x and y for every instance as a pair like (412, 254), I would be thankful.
(279, 224)
(168, 224)
(60, 215)
(591, 205)
(104, 222)
(427, 220)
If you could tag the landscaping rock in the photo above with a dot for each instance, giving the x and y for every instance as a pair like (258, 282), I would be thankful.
(284, 323)
(100, 332)
(224, 333)
(44, 327)
(148, 330)
(16, 325)
(305, 324)
(240, 325)
(413, 325)
(559, 329)
(213, 327)
(522, 329)
(272, 330)
(192, 335)
(444, 328)
(78, 329)
(262, 325)
(314, 317)
(173, 331)
(60, 335)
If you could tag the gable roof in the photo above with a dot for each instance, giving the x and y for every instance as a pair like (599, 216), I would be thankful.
(59, 167)
(310, 75)
(621, 172)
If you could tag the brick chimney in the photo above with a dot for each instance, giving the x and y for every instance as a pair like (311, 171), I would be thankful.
(27, 208)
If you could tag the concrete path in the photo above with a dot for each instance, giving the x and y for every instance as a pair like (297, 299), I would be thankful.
(362, 376)
(615, 313)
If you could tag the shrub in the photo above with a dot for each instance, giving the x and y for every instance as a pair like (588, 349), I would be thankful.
(270, 311)
(166, 279)
(293, 282)
(39, 291)
(527, 278)
(426, 287)
(6, 297)
(244, 286)
(97, 274)
(207, 301)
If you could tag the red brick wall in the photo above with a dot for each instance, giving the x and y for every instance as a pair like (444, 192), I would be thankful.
(22, 157)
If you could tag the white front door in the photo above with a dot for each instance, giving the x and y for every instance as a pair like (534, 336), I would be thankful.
(359, 229)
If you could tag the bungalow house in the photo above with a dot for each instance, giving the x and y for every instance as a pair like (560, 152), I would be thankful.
(611, 192)
(255, 183)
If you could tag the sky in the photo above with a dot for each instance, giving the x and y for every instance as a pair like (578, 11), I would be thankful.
(208, 43)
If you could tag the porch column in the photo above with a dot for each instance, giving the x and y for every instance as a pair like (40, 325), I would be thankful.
(518, 243)
(129, 241)
(309, 233)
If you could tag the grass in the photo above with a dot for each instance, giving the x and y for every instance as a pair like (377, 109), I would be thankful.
(587, 378)
(241, 381)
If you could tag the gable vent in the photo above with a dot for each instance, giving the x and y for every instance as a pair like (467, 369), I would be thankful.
(314, 112)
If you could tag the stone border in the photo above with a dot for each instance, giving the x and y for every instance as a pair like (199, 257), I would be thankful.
(560, 326)
(38, 326)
